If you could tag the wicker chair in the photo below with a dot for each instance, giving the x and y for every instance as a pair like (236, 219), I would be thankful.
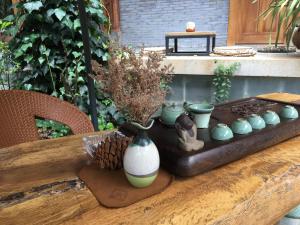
(18, 110)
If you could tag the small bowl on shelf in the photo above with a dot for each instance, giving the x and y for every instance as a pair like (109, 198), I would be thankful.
(241, 126)
(289, 112)
(271, 117)
(256, 122)
(221, 132)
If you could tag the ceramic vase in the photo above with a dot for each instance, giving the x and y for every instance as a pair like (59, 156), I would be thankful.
(141, 159)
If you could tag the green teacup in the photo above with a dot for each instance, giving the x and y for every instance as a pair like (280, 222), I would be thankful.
(170, 112)
(271, 117)
(200, 113)
(221, 132)
(241, 126)
(289, 112)
(256, 122)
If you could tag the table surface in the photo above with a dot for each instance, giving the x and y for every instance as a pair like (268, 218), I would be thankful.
(38, 185)
(195, 34)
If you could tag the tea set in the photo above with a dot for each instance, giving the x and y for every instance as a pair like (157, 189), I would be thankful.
(200, 113)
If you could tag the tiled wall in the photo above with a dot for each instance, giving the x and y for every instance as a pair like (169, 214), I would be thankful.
(147, 21)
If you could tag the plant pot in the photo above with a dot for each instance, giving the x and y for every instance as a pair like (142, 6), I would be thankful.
(296, 38)
(141, 159)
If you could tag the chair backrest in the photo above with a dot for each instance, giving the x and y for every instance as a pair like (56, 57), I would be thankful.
(18, 110)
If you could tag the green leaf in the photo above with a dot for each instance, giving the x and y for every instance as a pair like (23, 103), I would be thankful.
(79, 44)
(66, 21)
(31, 6)
(24, 47)
(28, 58)
(59, 13)
(41, 60)
(76, 24)
(50, 12)
(76, 54)
(80, 80)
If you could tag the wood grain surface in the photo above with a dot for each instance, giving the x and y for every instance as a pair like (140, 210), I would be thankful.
(38, 185)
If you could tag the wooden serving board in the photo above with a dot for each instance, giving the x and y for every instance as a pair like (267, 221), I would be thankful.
(218, 153)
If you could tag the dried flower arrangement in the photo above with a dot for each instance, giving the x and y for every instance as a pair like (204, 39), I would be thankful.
(136, 83)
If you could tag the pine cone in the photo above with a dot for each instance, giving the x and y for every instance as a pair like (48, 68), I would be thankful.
(109, 153)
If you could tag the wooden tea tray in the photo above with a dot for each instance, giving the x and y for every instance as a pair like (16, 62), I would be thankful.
(218, 153)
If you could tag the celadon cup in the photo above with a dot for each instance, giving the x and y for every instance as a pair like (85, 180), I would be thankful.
(170, 112)
(289, 112)
(200, 112)
(241, 126)
(221, 132)
(271, 117)
(256, 122)
(295, 213)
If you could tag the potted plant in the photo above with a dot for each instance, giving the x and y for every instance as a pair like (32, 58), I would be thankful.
(138, 85)
(287, 14)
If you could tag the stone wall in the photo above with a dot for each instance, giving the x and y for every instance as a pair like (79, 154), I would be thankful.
(147, 21)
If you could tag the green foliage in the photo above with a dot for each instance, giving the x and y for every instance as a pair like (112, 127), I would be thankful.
(287, 14)
(5, 8)
(8, 67)
(222, 81)
(47, 43)
(52, 129)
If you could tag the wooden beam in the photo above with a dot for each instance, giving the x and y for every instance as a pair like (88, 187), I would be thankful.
(232, 24)
(113, 9)
(15, 2)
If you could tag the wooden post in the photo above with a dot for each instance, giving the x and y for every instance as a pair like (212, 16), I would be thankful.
(15, 2)
(113, 8)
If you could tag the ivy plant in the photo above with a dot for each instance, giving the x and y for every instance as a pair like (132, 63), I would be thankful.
(8, 67)
(51, 129)
(222, 81)
(47, 42)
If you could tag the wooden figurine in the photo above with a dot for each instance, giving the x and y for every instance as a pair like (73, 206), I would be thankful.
(187, 132)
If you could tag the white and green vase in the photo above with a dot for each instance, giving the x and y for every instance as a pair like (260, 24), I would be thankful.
(141, 159)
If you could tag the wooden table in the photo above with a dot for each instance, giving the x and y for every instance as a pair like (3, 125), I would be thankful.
(38, 185)
(210, 42)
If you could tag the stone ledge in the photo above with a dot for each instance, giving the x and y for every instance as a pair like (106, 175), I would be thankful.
(261, 65)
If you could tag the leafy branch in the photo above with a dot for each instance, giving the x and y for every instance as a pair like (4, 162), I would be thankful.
(222, 81)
